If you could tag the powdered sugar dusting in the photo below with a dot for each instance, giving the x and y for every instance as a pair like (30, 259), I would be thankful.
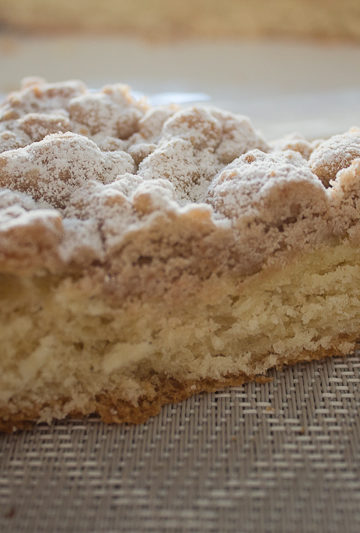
(91, 177)
(335, 154)
(258, 181)
(53, 168)
(195, 145)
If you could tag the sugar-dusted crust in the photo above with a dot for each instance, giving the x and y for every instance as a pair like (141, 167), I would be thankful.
(112, 409)
(136, 196)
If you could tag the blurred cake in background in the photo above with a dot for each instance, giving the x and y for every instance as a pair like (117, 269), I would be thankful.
(327, 19)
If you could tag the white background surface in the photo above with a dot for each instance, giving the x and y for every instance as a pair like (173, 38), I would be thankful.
(283, 86)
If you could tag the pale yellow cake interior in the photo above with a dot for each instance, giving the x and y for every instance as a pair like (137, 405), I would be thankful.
(63, 345)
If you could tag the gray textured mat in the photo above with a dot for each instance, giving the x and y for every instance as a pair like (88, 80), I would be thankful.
(279, 456)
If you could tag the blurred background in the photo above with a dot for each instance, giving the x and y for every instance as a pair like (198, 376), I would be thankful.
(291, 65)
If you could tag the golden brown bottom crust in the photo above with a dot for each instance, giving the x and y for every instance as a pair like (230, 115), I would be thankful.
(113, 410)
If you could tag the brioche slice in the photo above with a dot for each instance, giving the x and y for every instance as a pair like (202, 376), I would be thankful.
(150, 253)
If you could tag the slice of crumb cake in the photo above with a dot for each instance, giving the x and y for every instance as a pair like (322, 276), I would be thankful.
(150, 253)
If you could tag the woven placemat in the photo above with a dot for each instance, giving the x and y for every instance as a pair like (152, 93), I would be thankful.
(279, 456)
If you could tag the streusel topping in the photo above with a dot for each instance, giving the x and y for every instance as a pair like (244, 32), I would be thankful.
(90, 178)
(336, 153)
